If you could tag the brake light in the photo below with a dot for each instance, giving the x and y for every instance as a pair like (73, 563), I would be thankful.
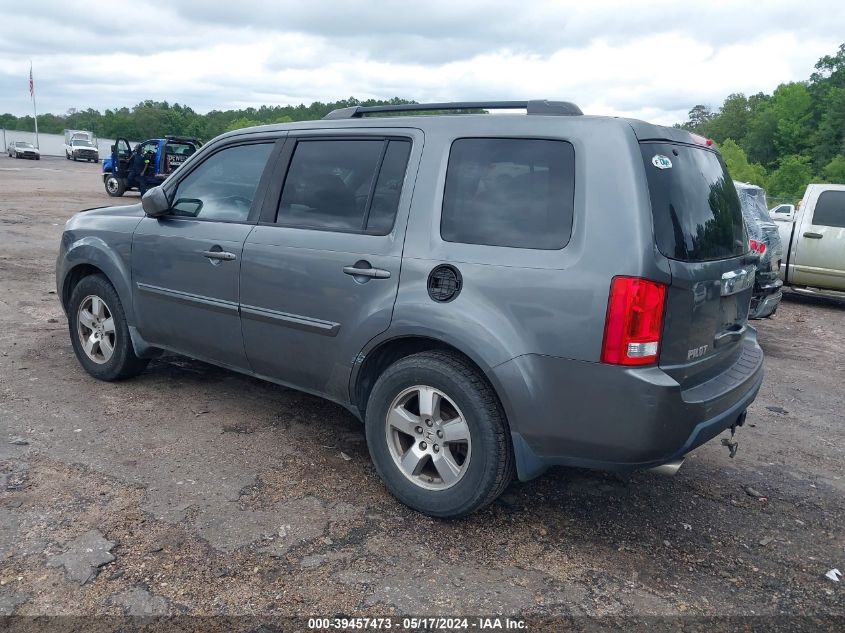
(634, 322)
(757, 246)
(701, 140)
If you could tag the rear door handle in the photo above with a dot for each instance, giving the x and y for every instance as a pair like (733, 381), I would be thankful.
(372, 273)
(221, 255)
(813, 236)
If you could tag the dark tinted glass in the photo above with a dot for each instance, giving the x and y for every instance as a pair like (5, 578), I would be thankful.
(830, 209)
(329, 184)
(697, 215)
(509, 192)
(223, 186)
(388, 188)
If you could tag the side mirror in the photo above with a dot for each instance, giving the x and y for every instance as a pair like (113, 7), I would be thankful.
(155, 202)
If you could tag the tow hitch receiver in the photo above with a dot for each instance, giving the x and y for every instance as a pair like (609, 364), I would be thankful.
(732, 444)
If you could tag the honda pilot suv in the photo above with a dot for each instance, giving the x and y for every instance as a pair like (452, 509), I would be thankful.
(489, 294)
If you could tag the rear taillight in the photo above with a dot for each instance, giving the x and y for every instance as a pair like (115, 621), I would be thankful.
(634, 321)
(757, 246)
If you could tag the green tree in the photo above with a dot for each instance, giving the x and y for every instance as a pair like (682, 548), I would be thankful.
(731, 121)
(759, 142)
(792, 105)
(791, 177)
(699, 116)
(834, 171)
(738, 166)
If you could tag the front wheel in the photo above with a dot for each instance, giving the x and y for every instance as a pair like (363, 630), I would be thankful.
(99, 332)
(115, 186)
(438, 436)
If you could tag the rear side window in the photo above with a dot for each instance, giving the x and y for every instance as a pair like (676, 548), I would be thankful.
(509, 192)
(695, 206)
(830, 209)
(344, 185)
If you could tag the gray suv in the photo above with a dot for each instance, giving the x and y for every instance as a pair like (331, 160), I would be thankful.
(489, 294)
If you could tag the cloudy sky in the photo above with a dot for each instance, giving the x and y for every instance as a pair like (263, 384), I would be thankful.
(652, 60)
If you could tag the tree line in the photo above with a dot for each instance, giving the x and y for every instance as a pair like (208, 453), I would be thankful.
(785, 140)
(152, 119)
(781, 141)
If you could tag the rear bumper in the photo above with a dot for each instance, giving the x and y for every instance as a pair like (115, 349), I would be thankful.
(767, 295)
(590, 415)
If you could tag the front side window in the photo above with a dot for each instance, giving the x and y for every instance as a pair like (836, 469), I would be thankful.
(344, 185)
(830, 209)
(223, 186)
(509, 192)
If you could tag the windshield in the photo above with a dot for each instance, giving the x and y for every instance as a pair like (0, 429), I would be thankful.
(697, 215)
(26, 145)
(82, 143)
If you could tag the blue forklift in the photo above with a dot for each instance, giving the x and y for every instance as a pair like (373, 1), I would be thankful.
(161, 156)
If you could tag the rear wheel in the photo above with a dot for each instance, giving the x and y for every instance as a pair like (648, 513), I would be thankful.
(115, 186)
(438, 436)
(99, 332)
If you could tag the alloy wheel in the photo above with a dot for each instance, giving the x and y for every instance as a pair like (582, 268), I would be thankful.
(428, 437)
(95, 328)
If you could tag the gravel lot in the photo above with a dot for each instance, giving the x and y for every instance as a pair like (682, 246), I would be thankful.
(193, 490)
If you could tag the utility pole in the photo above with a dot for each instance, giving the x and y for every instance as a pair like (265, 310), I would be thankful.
(34, 111)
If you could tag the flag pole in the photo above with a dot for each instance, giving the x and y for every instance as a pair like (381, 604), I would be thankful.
(34, 111)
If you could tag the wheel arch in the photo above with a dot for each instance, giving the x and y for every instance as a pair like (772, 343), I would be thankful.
(384, 351)
(91, 256)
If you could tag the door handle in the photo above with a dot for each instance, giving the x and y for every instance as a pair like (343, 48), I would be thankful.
(221, 255)
(728, 336)
(372, 273)
(813, 236)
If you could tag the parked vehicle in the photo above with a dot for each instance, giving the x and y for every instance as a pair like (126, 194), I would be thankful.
(79, 145)
(22, 149)
(164, 155)
(764, 240)
(782, 212)
(815, 239)
(81, 149)
(517, 292)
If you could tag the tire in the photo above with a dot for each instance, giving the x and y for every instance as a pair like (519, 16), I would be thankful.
(37, 158)
(115, 186)
(465, 396)
(89, 294)
(67, 155)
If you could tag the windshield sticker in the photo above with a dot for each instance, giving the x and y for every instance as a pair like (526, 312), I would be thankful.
(661, 162)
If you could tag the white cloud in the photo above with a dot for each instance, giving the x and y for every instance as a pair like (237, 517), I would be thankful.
(652, 60)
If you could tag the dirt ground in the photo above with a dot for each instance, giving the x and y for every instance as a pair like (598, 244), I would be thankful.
(194, 490)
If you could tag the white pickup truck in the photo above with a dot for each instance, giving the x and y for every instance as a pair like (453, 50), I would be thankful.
(813, 238)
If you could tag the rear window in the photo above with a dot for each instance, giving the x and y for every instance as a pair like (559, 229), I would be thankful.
(509, 192)
(696, 210)
(830, 209)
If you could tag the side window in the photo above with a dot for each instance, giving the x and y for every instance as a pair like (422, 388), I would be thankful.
(830, 209)
(223, 186)
(509, 192)
(345, 185)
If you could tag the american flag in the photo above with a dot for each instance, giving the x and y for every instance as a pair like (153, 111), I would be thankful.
(31, 83)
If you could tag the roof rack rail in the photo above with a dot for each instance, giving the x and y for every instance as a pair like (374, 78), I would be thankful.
(559, 108)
